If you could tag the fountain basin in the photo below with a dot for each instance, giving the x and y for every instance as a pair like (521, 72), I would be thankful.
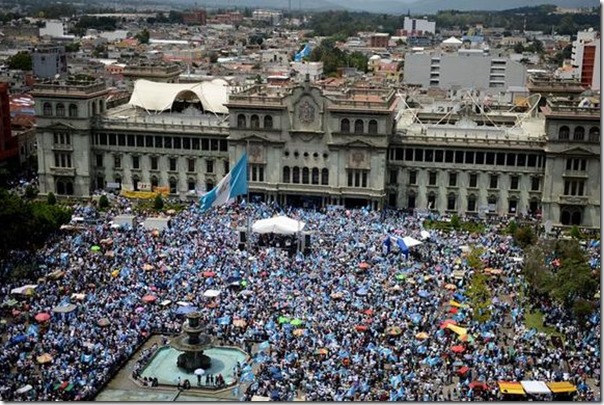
(163, 365)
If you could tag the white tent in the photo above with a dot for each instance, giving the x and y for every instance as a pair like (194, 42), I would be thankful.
(425, 235)
(23, 289)
(211, 293)
(410, 242)
(156, 96)
(452, 41)
(281, 225)
(535, 387)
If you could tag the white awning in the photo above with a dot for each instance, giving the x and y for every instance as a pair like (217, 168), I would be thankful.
(281, 225)
(156, 96)
(535, 387)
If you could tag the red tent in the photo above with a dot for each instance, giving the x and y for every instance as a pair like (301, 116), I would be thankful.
(463, 370)
(149, 298)
(477, 385)
(208, 274)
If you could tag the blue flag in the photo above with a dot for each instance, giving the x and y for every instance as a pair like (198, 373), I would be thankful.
(231, 185)
(388, 243)
(402, 246)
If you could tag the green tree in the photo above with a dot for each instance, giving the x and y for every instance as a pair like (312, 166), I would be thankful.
(455, 222)
(474, 260)
(20, 61)
(480, 297)
(158, 203)
(103, 202)
(143, 36)
(574, 280)
(575, 233)
(51, 199)
(31, 192)
(525, 236)
(73, 47)
(518, 47)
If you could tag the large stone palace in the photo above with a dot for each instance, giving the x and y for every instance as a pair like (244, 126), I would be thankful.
(310, 144)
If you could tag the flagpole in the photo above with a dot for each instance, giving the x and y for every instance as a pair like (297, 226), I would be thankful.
(249, 228)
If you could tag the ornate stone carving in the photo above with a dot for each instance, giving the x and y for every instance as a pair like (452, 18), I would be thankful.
(306, 112)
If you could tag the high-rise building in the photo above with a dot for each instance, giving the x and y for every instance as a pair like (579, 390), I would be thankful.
(586, 58)
(415, 26)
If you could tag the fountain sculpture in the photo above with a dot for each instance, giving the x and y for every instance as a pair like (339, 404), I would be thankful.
(192, 343)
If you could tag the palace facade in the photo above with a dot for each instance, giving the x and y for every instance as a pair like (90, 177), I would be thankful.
(353, 146)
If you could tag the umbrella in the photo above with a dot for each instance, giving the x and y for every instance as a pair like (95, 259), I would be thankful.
(103, 322)
(147, 299)
(298, 332)
(171, 212)
(362, 291)
(400, 276)
(447, 322)
(423, 293)
(155, 233)
(44, 358)
(283, 319)
(458, 349)
(24, 389)
(477, 385)
(147, 267)
(322, 351)
(453, 310)
(42, 317)
(211, 293)
(394, 331)
(336, 295)
(208, 274)
(297, 322)
(185, 310)
(246, 293)
(239, 323)
(361, 328)
(364, 265)
(421, 335)
(95, 248)
(450, 287)
(368, 312)
(110, 253)
(463, 370)
(139, 309)
(199, 371)
(165, 302)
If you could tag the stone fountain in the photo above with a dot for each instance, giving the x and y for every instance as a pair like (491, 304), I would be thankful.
(192, 343)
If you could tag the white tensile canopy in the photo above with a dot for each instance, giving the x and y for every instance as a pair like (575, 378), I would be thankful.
(535, 387)
(410, 242)
(281, 225)
(452, 41)
(157, 96)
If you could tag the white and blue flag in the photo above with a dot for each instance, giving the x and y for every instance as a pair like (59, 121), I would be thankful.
(231, 185)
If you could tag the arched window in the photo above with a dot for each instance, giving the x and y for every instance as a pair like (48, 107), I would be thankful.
(579, 134)
(135, 180)
(431, 201)
(47, 109)
(60, 187)
(345, 126)
(315, 176)
(73, 110)
(268, 122)
(255, 121)
(325, 177)
(209, 185)
(173, 183)
(373, 127)
(286, 174)
(451, 199)
(594, 134)
(60, 110)
(69, 187)
(472, 203)
(296, 175)
(241, 121)
(305, 173)
(359, 127)
(154, 182)
(563, 133)
(191, 183)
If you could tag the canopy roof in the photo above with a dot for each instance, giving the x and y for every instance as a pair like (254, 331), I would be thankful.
(535, 387)
(561, 387)
(156, 96)
(452, 41)
(281, 225)
(511, 388)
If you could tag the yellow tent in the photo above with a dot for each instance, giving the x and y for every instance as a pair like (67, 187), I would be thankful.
(457, 329)
(513, 388)
(561, 387)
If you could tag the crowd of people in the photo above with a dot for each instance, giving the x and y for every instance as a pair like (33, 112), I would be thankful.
(353, 319)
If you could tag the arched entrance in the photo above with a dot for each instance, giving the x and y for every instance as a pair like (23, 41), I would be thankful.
(571, 215)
